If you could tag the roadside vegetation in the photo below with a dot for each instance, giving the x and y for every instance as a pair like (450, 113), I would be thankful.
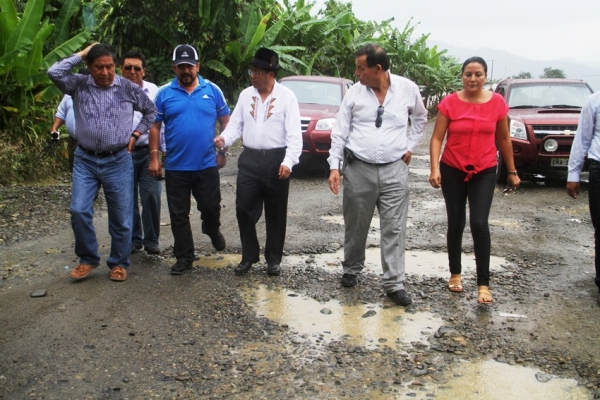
(36, 33)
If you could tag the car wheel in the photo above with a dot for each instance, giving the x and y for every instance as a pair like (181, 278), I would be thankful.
(501, 175)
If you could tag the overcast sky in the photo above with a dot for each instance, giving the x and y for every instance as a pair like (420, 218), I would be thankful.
(537, 29)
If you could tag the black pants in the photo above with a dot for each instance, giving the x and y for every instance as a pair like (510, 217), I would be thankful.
(479, 190)
(205, 187)
(258, 184)
(594, 203)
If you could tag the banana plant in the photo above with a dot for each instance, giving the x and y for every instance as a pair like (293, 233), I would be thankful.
(24, 38)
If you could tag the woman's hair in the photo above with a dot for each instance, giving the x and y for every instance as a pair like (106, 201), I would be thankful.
(477, 60)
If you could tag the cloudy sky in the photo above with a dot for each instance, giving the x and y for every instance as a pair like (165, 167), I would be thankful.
(536, 29)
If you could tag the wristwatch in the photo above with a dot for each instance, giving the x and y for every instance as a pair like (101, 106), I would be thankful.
(222, 153)
(512, 173)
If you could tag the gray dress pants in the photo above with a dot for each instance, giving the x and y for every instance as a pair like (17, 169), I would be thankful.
(385, 187)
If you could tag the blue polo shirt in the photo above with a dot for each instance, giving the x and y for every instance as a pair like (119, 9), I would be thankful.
(189, 120)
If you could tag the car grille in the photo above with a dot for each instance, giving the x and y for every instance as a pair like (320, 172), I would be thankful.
(541, 131)
(304, 123)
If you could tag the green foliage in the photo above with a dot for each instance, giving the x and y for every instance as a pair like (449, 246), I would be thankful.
(31, 39)
(553, 73)
(36, 33)
(523, 75)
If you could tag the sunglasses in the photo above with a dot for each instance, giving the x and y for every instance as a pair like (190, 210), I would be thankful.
(380, 110)
(135, 67)
(257, 73)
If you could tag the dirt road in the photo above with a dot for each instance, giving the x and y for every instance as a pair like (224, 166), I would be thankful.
(195, 336)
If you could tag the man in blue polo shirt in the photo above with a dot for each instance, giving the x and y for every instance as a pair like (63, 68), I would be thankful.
(190, 107)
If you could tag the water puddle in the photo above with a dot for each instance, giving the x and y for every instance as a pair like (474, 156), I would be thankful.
(493, 380)
(427, 263)
(368, 325)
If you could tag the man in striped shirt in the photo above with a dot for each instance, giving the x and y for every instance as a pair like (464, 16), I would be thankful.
(103, 105)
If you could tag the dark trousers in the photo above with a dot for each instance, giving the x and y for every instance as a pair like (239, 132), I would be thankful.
(258, 184)
(205, 187)
(479, 190)
(146, 225)
(594, 203)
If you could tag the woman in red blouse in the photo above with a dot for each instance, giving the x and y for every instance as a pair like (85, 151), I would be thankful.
(474, 121)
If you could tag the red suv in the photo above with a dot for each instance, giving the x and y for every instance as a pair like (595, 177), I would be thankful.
(319, 98)
(542, 120)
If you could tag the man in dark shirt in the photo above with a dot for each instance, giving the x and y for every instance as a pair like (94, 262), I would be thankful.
(103, 105)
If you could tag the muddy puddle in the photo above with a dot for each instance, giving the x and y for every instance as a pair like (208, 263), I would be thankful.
(493, 380)
(374, 326)
(368, 325)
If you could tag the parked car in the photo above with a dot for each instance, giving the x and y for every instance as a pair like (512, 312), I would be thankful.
(319, 98)
(542, 120)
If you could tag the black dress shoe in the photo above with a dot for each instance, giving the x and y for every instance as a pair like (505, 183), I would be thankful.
(218, 241)
(348, 280)
(400, 297)
(180, 268)
(152, 250)
(242, 268)
(274, 270)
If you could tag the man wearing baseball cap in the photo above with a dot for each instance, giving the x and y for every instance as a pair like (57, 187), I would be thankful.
(190, 107)
(267, 117)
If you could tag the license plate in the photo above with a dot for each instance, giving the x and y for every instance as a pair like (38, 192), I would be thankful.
(559, 162)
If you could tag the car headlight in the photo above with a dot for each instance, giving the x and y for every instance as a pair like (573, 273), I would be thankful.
(517, 130)
(325, 124)
(550, 145)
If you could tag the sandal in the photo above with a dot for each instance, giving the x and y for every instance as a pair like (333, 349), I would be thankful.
(455, 283)
(483, 295)
(118, 274)
(81, 271)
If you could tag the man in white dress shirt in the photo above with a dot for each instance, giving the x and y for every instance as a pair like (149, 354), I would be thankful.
(267, 117)
(372, 144)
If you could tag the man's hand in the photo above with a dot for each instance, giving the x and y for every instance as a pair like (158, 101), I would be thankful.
(284, 172)
(573, 189)
(334, 181)
(131, 144)
(219, 142)
(83, 53)
(154, 167)
(221, 160)
(407, 157)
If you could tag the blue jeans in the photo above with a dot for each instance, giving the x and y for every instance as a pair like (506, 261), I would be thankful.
(115, 174)
(594, 202)
(148, 189)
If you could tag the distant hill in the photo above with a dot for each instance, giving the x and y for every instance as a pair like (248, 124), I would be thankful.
(503, 64)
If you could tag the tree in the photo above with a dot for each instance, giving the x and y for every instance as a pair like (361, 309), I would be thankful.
(523, 75)
(553, 73)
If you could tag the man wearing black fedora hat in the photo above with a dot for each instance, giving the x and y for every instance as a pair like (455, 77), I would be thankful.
(267, 118)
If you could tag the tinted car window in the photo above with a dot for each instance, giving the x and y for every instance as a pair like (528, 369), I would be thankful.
(548, 95)
(316, 92)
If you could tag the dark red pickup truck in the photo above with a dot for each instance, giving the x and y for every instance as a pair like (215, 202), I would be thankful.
(542, 118)
(319, 98)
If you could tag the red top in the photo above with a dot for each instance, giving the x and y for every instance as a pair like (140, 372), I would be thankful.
(471, 139)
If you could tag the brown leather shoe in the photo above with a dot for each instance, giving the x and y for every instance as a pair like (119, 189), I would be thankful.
(118, 274)
(81, 271)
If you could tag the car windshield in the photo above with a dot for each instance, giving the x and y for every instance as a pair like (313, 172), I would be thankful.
(551, 95)
(313, 92)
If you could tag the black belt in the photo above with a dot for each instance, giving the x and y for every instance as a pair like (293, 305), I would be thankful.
(265, 152)
(594, 162)
(136, 148)
(374, 164)
(101, 154)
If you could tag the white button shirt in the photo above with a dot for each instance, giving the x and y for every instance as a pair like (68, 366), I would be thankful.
(355, 125)
(270, 124)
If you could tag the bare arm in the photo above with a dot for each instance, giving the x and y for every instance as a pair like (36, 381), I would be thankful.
(153, 142)
(505, 147)
(435, 149)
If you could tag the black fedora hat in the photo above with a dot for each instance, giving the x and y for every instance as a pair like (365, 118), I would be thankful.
(266, 59)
